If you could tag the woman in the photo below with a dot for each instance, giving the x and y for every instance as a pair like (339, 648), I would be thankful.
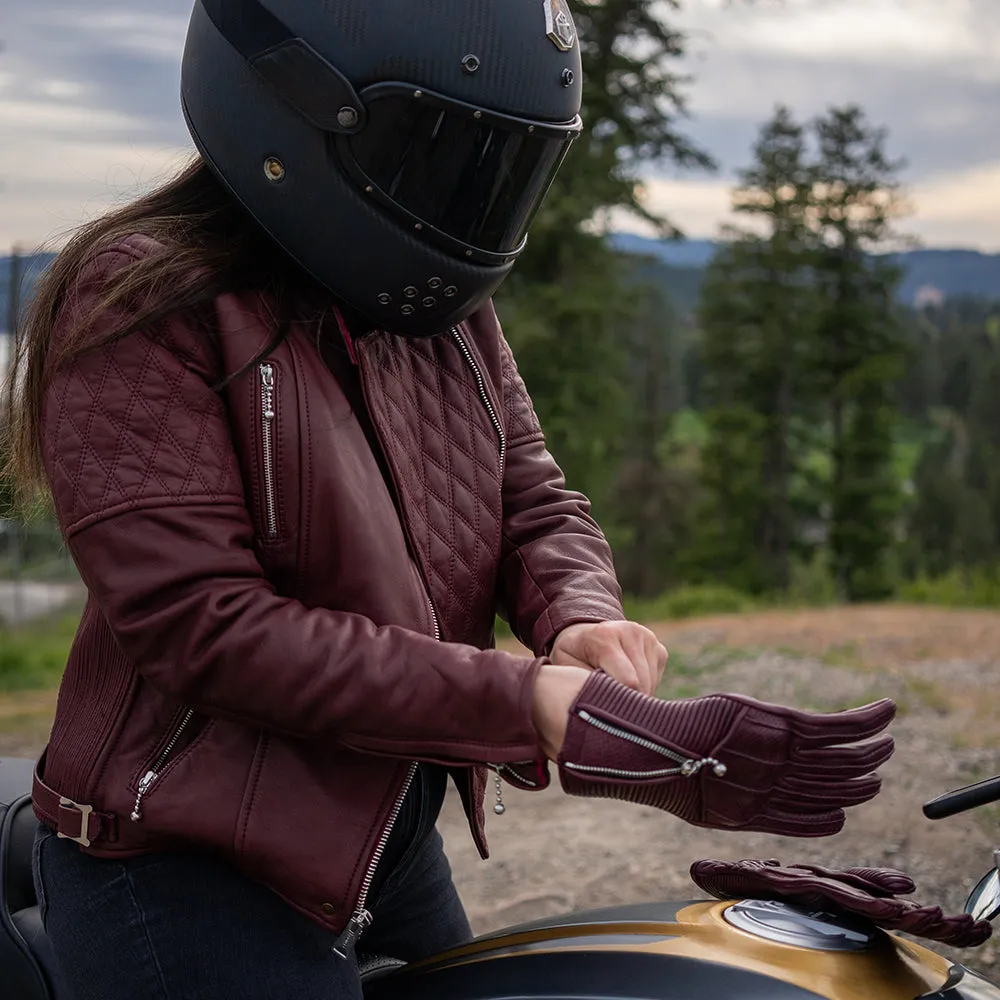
(295, 527)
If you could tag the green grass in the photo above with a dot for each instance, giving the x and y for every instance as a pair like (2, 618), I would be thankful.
(690, 602)
(975, 588)
(33, 656)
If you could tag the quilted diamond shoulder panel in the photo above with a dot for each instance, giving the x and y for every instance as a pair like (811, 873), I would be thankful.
(445, 454)
(521, 420)
(131, 424)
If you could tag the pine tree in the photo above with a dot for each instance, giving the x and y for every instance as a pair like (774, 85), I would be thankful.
(569, 297)
(856, 199)
(756, 314)
(799, 331)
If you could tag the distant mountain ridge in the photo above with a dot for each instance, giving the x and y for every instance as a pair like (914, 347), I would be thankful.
(952, 273)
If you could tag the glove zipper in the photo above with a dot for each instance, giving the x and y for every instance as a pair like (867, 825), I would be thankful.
(687, 767)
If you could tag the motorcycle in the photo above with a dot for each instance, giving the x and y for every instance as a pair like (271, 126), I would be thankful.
(745, 949)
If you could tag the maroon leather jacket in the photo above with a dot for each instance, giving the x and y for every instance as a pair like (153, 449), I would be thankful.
(259, 662)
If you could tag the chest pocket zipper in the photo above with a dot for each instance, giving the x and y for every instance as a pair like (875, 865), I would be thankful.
(268, 427)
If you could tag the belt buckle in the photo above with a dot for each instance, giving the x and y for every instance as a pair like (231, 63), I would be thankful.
(85, 812)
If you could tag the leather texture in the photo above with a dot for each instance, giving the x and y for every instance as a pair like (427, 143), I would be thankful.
(867, 892)
(250, 571)
(725, 761)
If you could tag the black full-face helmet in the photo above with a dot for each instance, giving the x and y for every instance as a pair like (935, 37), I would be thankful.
(397, 149)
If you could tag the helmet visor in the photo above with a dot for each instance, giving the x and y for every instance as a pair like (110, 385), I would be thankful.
(472, 176)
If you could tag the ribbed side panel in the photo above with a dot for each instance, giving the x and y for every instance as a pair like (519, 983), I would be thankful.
(97, 683)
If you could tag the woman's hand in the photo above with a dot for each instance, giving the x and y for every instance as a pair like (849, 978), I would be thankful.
(626, 651)
(556, 688)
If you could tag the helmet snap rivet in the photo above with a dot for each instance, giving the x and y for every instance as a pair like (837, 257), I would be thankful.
(450, 292)
(418, 93)
(385, 298)
(531, 128)
(418, 226)
(347, 117)
(470, 63)
(567, 77)
(434, 283)
(477, 114)
(468, 253)
(407, 310)
(368, 189)
(274, 169)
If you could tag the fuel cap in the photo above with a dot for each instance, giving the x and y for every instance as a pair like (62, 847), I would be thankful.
(784, 923)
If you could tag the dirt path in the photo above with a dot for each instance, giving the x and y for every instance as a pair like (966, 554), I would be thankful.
(552, 853)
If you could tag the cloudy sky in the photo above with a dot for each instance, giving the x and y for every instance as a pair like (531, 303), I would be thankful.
(89, 112)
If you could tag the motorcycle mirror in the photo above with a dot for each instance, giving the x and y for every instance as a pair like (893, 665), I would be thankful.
(984, 901)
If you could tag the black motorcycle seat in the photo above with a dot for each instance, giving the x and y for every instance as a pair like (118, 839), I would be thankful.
(27, 960)
(29, 925)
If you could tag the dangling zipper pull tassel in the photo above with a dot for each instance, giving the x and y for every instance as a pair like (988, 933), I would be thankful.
(499, 808)
(360, 921)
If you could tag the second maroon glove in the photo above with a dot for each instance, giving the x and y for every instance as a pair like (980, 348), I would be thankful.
(724, 761)
(868, 892)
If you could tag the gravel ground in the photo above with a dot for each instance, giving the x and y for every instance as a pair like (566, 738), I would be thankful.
(552, 853)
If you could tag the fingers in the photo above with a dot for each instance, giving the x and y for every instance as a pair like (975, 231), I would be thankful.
(656, 655)
(647, 656)
(842, 762)
(785, 824)
(890, 880)
(877, 881)
(626, 651)
(852, 726)
(799, 796)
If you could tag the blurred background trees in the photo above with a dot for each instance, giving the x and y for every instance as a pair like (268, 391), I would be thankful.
(783, 423)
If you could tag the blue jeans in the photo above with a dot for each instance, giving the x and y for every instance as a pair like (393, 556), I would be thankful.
(184, 926)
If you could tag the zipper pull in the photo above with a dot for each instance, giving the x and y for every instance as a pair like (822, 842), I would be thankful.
(360, 921)
(267, 381)
(147, 779)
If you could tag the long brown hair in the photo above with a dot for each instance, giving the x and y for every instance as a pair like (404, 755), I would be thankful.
(211, 245)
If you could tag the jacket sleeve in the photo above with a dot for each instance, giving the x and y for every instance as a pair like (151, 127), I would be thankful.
(149, 496)
(556, 567)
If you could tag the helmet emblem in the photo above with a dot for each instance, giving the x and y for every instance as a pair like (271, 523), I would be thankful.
(559, 24)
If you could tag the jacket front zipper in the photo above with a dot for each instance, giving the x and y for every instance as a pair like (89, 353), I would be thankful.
(688, 767)
(268, 412)
(361, 918)
(502, 438)
(146, 782)
(484, 396)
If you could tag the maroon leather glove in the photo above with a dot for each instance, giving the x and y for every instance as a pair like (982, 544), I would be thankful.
(724, 761)
(869, 892)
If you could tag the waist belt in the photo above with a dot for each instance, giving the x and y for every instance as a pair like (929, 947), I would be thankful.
(71, 820)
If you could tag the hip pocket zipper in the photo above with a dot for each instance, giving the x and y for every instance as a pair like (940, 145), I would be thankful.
(147, 780)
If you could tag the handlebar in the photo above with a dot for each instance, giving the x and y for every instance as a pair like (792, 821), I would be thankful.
(963, 799)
